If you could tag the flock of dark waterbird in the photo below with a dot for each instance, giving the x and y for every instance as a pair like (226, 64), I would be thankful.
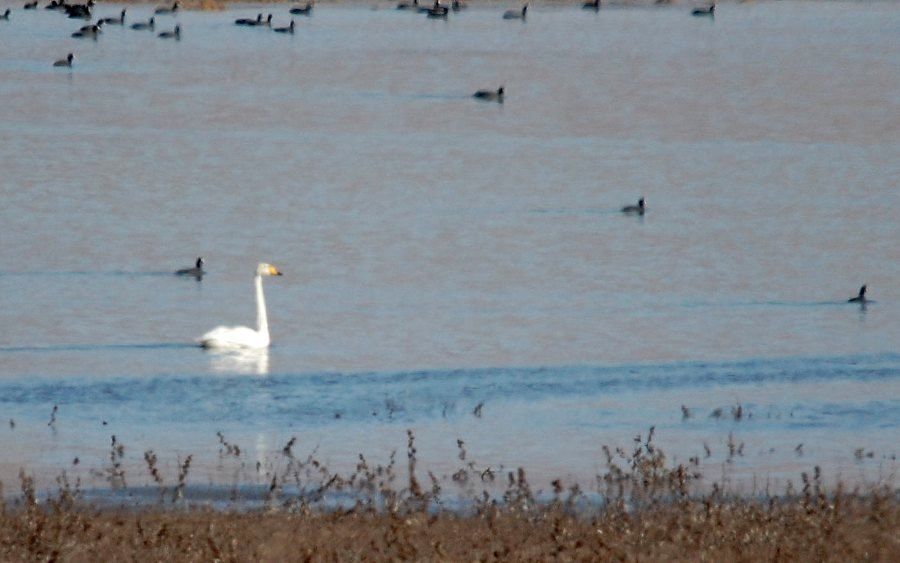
(437, 10)
(92, 31)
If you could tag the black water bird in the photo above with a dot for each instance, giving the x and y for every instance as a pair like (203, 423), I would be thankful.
(249, 21)
(196, 271)
(79, 11)
(165, 11)
(635, 209)
(54, 5)
(149, 24)
(404, 5)
(516, 14)
(458, 5)
(438, 11)
(90, 27)
(30, 5)
(708, 11)
(5, 15)
(66, 62)
(174, 34)
(860, 298)
(591, 5)
(288, 29)
(306, 11)
(115, 21)
(91, 32)
(489, 95)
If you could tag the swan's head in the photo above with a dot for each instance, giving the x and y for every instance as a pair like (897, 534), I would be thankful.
(265, 269)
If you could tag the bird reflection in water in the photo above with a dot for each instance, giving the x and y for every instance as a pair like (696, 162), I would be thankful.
(248, 361)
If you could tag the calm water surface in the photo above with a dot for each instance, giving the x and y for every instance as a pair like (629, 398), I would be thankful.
(440, 252)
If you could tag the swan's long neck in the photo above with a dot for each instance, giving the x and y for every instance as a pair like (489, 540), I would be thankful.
(262, 321)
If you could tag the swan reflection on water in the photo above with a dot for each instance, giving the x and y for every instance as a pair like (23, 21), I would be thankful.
(250, 361)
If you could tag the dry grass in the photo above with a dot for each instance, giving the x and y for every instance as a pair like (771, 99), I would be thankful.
(642, 509)
(847, 529)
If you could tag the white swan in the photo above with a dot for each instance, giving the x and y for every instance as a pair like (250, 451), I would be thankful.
(231, 337)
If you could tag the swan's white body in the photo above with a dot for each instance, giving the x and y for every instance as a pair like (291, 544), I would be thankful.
(240, 337)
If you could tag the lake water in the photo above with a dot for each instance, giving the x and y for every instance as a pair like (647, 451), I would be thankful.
(439, 252)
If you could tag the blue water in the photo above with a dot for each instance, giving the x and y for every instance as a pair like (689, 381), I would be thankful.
(553, 420)
(442, 253)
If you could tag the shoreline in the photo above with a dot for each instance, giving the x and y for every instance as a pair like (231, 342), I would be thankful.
(655, 519)
(642, 506)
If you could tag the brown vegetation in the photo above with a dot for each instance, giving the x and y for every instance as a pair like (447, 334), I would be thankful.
(845, 528)
(642, 509)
